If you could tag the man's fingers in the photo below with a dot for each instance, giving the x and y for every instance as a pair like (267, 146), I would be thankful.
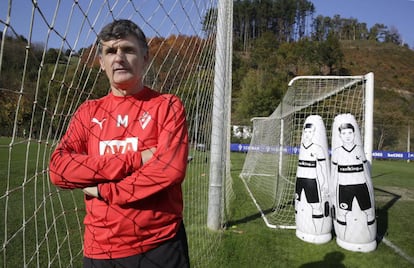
(92, 191)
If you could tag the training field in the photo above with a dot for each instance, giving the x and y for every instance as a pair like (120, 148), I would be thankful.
(246, 241)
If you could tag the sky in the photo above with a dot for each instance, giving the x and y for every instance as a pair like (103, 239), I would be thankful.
(166, 18)
(74, 24)
(391, 13)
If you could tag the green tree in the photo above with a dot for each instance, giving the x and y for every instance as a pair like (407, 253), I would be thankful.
(321, 27)
(287, 19)
(209, 22)
(393, 36)
(378, 32)
(264, 50)
(260, 94)
(299, 57)
(51, 56)
(330, 53)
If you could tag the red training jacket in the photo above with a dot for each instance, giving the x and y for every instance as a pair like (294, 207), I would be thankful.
(141, 205)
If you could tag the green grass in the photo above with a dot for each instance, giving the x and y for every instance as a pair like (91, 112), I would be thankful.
(53, 219)
(248, 242)
(35, 218)
(42, 226)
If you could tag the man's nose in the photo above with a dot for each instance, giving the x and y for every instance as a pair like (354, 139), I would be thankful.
(120, 55)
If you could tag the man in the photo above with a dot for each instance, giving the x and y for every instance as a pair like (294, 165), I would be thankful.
(128, 152)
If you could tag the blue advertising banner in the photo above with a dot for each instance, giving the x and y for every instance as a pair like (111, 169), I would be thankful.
(244, 148)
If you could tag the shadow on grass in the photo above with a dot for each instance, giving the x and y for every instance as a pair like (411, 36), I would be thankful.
(248, 218)
(259, 215)
(331, 259)
(380, 175)
(382, 212)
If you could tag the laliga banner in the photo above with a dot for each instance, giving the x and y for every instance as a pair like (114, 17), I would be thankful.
(243, 148)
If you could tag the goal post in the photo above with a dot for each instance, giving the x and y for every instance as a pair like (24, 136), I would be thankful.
(369, 117)
(219, 152)
(269, 170)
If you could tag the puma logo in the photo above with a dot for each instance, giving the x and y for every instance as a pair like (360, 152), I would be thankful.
(99, 123)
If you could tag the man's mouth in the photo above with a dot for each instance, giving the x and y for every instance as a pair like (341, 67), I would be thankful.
(120, 69)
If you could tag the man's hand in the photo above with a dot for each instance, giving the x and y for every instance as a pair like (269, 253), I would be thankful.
(147, 154)
(92, 191)
(144, 156)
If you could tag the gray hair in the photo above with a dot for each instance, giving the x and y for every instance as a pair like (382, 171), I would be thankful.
(120, 29)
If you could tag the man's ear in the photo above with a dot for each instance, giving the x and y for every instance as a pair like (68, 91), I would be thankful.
(101, 62)
(146, 58)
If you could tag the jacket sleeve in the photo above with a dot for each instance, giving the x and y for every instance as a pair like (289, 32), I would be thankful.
(70, 167)
(167, 166)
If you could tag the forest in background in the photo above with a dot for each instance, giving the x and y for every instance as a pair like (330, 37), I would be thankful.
(274, 41)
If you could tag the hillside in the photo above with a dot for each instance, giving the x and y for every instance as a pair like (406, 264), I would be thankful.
(393, 67)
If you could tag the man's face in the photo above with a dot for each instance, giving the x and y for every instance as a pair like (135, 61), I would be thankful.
(123, 62)
(347, 135)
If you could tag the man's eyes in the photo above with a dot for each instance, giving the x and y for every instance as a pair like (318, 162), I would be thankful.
(110, 51)
(126, 50)
(130, 50)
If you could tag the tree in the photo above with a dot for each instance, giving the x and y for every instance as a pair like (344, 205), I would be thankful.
(305, 9)
(321, 26)
(330, 53)
(260, 94)
(298, 58)
(51, 56)
(393, 36)
(264, 51)
(377, 32)
(209, 22)
(285, 18)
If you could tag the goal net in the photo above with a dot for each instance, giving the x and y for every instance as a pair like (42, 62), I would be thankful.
(269, 170)
(48, 67)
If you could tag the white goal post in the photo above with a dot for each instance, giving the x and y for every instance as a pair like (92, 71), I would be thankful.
(269, 170)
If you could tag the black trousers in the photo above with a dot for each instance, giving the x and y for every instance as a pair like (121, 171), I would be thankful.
(171, 254)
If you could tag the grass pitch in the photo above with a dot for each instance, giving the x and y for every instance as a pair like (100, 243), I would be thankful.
(32, 232)
(249, 243)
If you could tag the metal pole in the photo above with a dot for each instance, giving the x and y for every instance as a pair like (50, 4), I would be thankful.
(218, 120)
(369, 117)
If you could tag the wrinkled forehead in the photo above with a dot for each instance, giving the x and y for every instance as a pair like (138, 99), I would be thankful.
(125, 41)
(129, 42)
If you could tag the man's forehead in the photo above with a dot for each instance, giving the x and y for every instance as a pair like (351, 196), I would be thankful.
(122, 42)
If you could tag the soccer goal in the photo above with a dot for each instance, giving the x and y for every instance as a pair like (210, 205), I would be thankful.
(269, 170)
(49, 66)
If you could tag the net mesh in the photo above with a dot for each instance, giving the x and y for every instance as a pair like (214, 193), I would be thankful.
(48, 67)
(269, 170)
